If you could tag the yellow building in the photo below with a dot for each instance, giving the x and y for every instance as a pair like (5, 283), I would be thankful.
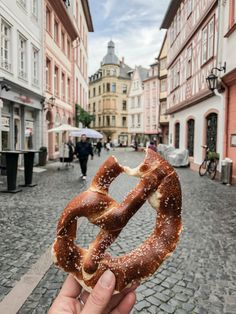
(164, 118)
(108, 89)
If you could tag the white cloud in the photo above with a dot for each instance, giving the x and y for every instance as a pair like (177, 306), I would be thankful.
(134, 27)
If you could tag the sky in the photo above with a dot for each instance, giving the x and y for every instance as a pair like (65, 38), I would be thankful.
(133, 25)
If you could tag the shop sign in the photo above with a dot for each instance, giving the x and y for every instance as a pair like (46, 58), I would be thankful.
(24, 99)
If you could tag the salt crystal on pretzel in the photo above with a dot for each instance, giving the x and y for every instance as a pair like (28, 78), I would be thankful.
(159, 185)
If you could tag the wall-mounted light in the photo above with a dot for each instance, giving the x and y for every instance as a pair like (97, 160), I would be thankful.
(212, 79)
(50, 103)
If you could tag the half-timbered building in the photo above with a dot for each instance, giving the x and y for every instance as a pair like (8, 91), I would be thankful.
(195, 112)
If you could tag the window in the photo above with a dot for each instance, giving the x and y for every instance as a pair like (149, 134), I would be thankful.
(108, 72)
(177, 133)
(211, 38)
(68, 90)
(35, 9)
(99, 90)
(22, 68)
(113, 87)
(5, 46)
(163, 85)
(163, 64)
(35, 66)
(48, 74)
(190, 140)
(63, 86)
(175, 75)
(189, 7)
(132, 119)
(99, 121)
(94, 92)
(139, 101)
(138, 120)
(108, 87)
(208, 34)
(124, 122)
(163, 107)
(124, 89)
(48, 20)
(178, 21)
(124, 105)
(22, 3)
(189, 62)
(113, 121)
(63, 44)
(68, 49)
(56, 29)
(56, 81)
(107, 121)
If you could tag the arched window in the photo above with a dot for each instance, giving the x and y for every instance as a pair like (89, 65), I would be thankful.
(177, 132)
(190, 141)
(211, 131)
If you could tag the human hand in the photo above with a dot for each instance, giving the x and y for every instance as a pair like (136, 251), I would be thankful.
(72, 300)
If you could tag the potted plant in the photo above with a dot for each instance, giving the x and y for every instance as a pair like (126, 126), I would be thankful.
(43, 156)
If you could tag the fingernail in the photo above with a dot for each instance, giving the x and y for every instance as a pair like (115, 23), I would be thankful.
(107, 279)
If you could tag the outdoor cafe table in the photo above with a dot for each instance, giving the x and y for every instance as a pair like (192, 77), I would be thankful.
(11, 167)
(28, 166)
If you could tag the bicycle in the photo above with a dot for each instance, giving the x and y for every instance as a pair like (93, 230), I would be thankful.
(209, 164)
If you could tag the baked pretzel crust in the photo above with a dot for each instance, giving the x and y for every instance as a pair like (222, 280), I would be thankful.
(159, 185)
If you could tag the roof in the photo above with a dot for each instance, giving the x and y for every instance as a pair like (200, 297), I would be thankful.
(87, 14)
(170, 13)
(110, 57)
(124, 71)
(143, 73)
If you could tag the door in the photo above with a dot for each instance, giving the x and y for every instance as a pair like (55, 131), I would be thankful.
(211, 131)
(190, 143)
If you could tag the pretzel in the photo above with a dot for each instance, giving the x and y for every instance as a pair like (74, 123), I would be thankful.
(159, 185)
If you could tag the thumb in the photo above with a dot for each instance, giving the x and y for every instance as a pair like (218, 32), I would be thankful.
(101, 294)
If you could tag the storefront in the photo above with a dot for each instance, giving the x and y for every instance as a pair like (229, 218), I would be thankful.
(21, 116)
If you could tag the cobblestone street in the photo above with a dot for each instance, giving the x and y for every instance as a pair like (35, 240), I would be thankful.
(200, 277)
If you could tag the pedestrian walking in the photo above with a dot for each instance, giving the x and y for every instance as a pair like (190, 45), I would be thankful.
(83, 149)
(99, 147)
(152, 146)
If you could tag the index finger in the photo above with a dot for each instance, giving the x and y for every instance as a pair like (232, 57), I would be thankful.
(71, 288)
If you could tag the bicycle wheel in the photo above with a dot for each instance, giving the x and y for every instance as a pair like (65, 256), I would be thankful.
(211, 169)
(203, 168)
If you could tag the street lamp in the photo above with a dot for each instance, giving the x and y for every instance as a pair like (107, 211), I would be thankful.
(212, 79)
(50, 102)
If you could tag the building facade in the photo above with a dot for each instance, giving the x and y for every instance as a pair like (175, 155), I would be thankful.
(227, 48)
(151, 104)
(136, 106)
(196, 114)
(21, 87)
(162, 76)
(108, 89)
(66, 28)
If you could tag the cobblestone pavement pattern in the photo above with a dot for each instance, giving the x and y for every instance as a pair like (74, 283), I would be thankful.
(198, 278)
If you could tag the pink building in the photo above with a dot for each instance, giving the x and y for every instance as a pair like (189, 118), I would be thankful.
(196, 113)
(151, 104)
(66, 83)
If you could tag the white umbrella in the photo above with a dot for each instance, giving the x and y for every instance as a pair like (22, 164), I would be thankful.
(88, 132)
(64, 128)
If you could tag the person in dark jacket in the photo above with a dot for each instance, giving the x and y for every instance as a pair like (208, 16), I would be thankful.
(99, 147)
(83, 149)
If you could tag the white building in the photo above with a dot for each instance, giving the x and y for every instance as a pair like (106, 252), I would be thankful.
(21, 52)
(136, 105)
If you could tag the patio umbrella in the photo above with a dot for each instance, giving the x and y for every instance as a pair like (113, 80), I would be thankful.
(88, 132)
(64, 128)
